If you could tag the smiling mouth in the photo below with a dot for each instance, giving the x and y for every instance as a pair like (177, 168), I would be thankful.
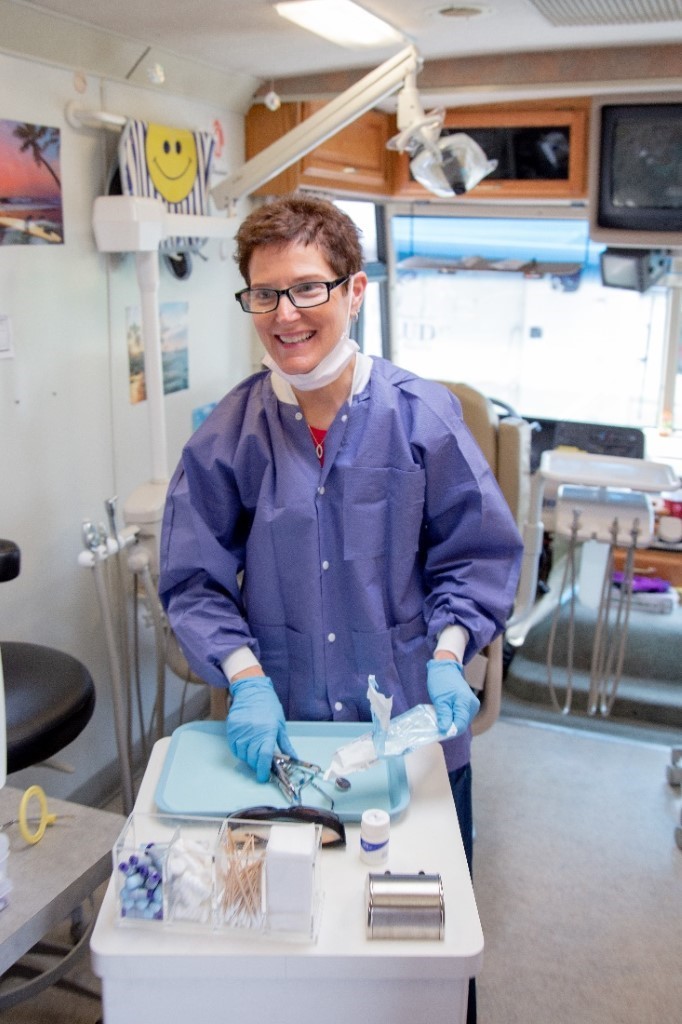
(294, 339)
(172, 177)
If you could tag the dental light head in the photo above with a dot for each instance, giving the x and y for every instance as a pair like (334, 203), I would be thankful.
(450, 166)
(446, 163)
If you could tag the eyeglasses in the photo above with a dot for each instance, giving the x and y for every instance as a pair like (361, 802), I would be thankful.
(303, 296)
(333, 830)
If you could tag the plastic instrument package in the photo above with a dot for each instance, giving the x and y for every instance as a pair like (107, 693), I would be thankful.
(390, 737)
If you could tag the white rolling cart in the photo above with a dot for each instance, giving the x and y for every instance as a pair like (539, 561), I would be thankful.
(159, 973)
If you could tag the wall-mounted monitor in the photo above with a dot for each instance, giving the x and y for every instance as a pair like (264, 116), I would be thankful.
(637, 269)
(635, 170)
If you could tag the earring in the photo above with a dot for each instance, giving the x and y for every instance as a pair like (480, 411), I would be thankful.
(354, 317)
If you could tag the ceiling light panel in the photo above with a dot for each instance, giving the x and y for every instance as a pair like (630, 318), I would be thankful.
(563, 13)
(341, 22)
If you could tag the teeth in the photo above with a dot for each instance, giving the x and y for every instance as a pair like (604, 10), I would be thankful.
(294, 339)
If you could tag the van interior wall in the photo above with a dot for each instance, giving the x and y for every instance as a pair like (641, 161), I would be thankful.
(70, 438)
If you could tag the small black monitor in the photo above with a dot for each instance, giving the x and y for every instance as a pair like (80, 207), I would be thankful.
(636, 269)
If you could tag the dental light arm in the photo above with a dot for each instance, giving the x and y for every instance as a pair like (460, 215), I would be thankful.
(365, 94)
(416, 129)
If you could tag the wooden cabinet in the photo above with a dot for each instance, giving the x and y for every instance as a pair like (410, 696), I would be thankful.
(541, 151)
(355, 160)
(262, 128)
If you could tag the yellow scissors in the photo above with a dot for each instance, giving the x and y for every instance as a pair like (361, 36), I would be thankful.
(23, 820)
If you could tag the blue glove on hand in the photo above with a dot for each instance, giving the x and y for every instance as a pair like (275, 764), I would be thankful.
(255, 724)
(452, 697)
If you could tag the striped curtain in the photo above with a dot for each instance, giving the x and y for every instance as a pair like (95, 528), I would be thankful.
(141, 142)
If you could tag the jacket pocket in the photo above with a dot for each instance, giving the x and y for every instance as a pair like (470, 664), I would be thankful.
(382, 511)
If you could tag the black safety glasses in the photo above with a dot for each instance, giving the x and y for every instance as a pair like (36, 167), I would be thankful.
(333, 830)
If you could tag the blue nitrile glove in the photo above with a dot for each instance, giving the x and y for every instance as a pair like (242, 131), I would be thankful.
(452, 697)
(255, 724)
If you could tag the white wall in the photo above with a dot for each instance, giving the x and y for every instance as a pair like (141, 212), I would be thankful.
(69, 437)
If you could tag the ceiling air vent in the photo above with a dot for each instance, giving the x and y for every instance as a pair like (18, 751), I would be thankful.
(608, 12)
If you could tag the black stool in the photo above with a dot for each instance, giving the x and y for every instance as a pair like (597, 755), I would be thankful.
(49, 699)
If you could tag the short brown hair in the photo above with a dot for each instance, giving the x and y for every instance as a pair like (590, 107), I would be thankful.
(305, 219)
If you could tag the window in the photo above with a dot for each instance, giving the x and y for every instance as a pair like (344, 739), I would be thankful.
(372, 327)
(556, 345)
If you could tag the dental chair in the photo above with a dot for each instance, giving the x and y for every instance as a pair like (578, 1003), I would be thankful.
(505, 440)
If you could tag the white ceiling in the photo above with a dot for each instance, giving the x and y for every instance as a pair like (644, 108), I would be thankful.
(247, 39)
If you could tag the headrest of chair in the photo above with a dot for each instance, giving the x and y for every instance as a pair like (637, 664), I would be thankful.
(480, 417)
(171, 164)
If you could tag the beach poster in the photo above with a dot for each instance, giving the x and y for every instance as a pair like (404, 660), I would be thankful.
(173, 321)
(30, 184)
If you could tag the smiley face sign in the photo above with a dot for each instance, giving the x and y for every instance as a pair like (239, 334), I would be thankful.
(172, 165)
(172, 161)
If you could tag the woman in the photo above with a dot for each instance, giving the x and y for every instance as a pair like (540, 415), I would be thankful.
(333, 517)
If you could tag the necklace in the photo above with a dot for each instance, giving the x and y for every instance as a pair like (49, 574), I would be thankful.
(318, 437)
(318, 434)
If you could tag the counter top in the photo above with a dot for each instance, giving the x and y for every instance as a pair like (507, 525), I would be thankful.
(53, 877)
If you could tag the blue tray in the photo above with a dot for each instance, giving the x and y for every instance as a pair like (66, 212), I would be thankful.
(200, 776)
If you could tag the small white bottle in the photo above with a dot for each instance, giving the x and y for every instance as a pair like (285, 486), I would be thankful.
(375, 827)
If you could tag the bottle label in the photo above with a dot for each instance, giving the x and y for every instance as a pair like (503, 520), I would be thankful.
(372, 847)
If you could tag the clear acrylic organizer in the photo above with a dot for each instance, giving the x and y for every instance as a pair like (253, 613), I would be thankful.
(217, 874)
(163, 866)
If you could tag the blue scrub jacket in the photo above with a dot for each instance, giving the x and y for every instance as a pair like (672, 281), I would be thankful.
(334, 573)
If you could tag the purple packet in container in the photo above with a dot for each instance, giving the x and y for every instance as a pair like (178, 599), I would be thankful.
(643, 584)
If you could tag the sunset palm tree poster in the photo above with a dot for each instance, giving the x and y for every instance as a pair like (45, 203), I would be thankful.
(30, 184)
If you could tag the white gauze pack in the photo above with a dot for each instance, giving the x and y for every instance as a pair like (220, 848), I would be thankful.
(389, 737)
